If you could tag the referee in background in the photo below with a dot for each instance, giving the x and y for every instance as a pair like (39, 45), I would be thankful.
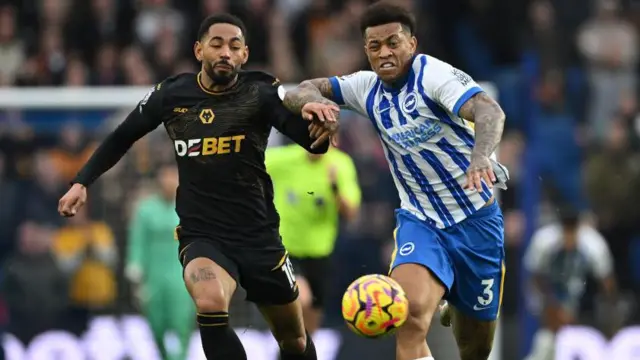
(311, 193)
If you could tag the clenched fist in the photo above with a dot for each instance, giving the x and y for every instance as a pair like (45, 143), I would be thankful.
(73, 200)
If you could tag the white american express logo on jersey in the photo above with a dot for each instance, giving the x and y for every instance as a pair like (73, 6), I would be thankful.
(417, 135)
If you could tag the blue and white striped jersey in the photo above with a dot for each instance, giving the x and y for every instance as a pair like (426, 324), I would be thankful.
(427, 144)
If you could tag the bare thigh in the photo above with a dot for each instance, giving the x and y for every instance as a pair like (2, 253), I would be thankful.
(209, 285)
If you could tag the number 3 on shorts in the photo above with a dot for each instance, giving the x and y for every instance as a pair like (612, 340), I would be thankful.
(487, 293)
(287, 268)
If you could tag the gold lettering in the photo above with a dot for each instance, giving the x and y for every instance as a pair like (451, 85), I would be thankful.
(224, 145)
(209, 146)
(180, 110)
(238, 141)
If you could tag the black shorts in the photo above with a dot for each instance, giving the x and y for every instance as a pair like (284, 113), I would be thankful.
(266, 273)
(316, 270)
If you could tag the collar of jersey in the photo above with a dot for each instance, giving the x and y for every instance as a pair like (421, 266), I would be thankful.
(400, 84)
(203, 88)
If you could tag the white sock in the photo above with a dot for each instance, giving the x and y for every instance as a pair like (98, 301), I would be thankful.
(426, 358)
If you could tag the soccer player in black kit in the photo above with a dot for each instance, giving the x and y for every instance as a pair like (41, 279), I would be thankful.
(219, 121)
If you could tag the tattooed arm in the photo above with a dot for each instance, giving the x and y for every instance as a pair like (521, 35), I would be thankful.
(489, 122)
(316, 90)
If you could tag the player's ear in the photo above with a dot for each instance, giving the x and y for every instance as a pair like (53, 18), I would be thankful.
(414, 44)
(245, 58)
(197, 50)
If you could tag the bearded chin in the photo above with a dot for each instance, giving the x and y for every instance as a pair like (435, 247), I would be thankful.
(218, 78)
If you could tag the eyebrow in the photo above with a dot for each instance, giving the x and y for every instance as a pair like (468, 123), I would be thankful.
(385, 39)
(220, 38)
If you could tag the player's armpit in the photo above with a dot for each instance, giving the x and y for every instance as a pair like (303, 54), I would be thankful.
(314, 90)
(489, 122)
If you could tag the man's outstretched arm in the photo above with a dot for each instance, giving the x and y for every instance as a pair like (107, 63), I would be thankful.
(315, 90)
(115, 145)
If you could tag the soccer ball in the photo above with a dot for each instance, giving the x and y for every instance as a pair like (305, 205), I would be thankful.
(374, 306)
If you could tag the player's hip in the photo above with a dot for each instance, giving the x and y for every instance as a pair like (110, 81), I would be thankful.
(482, 229)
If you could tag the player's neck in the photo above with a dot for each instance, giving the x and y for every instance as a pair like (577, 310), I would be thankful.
(209, 85)
(401, 81)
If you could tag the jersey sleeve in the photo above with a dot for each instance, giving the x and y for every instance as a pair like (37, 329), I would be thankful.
(446, 85)
(598, 253)
(348, 182)
(536, 255)
(142, 120)
(352, 90)
(291, 125)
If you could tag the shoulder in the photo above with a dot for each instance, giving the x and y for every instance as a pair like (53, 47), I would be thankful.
(177, 83)
(439, 70)
(340, 156)
(590, 238)
(171, 85)
(546, 236)
(267, 83)
(364, 78)
(261, 77)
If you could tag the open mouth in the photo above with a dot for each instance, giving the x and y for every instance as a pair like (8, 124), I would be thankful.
(387, 65)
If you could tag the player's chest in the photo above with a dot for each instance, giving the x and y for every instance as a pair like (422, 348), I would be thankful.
(406, 119)
(215, 126)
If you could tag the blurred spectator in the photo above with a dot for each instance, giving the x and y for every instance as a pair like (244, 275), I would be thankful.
(12, 50)
(86, 251)
(34, 288)
(560, 258)
(612, 180)
(610, 45)
(153, 269)
(546, 37)
(9, 211)
(43, 192)
(155, 19)
(72, 150)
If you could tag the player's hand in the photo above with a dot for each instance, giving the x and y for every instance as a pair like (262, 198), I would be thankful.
(324, 111)
(73, 200)
(480, 168)
(321, 131)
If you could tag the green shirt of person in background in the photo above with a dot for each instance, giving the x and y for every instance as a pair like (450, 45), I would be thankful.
(312, 193)
(154, 269)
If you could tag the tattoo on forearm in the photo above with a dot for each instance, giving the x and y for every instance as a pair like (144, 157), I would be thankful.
(202, 274)
(489, 122)
(316, 90)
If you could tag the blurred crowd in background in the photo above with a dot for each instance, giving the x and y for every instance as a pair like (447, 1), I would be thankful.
(566, 72)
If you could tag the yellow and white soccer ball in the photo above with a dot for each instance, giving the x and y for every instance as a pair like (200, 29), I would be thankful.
(374, 305)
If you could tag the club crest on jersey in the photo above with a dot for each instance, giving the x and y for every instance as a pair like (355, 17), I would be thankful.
(206, 116)
(410, 103)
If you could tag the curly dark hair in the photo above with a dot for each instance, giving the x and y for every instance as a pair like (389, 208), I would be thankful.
(383, 12)
(222, 18)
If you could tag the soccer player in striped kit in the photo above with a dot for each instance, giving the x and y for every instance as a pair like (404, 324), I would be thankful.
(439, 130)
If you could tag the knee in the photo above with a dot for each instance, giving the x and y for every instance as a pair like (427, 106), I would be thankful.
(420, 314)
(294, 345)
(213, 300)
